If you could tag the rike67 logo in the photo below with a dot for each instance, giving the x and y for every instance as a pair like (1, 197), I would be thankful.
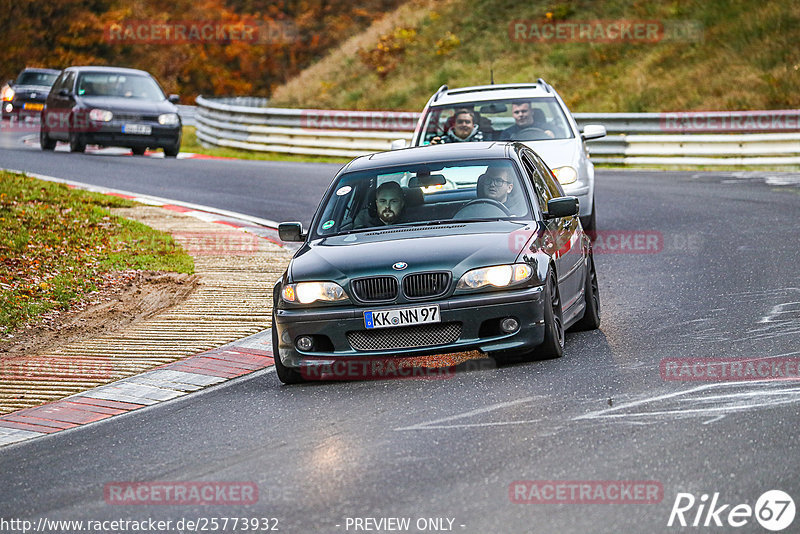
(774, 510)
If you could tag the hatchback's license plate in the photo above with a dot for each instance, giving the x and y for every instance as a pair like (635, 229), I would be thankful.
(138, 129)
(33, 106)
(402, 317)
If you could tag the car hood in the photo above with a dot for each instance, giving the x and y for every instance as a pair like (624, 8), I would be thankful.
(557, 152)
(25, 89)
(456, 248)
(129, 105)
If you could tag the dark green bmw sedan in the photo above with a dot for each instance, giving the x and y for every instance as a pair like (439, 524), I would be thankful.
(435, 249)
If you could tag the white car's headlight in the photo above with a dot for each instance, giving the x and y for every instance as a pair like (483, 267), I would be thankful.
(8, 93)
(566, 175)
(168, 119)
(308, 292)
(101, 115)
(497, 276)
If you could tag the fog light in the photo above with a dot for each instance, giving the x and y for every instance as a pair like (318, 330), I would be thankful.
(509, 325)
(9, 107)
(304, 343)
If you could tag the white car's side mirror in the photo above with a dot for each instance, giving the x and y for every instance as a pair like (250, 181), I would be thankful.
(397, 144)
(593, 131)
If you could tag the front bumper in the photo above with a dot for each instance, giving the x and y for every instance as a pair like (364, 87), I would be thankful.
(584, 192)
(112, 135)
(478, 316)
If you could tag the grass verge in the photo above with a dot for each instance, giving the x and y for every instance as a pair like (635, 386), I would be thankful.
(190, 143)
(57, 242)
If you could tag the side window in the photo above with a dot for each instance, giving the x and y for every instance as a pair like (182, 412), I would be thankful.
(552, 183)
(67, 82)
(543, 193)
(59, 83)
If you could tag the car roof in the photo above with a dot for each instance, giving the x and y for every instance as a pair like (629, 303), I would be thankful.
(433, 154)
(118, 70)
(507, 91)
(38, 69)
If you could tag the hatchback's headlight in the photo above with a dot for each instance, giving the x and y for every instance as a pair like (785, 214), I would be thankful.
(497, 276)
(566, 175)
(101, 115)
(308, 292)
(168, 119)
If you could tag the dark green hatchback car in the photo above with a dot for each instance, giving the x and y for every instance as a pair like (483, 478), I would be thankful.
(432, 250)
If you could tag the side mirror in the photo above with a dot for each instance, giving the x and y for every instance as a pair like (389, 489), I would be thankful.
(593, 131)
(291, 232)
(397, 144)
(562, 207)
(175, 99)
(10, 83)
(64, 92)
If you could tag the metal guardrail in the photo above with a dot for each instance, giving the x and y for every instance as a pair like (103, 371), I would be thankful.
(680, 138)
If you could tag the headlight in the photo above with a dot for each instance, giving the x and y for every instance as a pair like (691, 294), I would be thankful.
(8, 94)
(101, 115)
(497, 276)
(308, 292)
(566, 175)
(168, 119)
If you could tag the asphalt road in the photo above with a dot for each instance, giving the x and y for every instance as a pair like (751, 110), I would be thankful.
(724, 282)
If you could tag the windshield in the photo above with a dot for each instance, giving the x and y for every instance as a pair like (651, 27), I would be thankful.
(119, 85)
(37, 78)
(534, 119)
(423, 194)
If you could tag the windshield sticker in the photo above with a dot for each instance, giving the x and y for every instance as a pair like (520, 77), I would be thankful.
(343, 190)
(327, 224)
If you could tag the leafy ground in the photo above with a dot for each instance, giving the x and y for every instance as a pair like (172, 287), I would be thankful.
(58, 244)
(744, 56)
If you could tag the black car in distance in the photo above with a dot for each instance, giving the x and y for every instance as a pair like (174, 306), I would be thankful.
(25, 95)
(110, 106)
(436, 249)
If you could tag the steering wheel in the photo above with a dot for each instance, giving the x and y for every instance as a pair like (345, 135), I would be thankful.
(541, 134)
(489, 201)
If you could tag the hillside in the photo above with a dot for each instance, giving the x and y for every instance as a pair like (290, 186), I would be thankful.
(705, 55)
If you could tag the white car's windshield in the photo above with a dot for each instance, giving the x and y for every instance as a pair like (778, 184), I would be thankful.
(423, 194)
(533, 119)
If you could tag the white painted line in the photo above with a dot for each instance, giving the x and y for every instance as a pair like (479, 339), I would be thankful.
(13, 435)
(435, 424)
(158, 201)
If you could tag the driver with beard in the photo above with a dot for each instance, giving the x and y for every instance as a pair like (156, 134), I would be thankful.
(389, 203)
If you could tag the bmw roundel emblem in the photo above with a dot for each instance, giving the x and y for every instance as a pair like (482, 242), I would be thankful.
(399, 266)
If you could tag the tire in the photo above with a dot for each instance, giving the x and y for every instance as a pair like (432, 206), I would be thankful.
(553, 344)
(76, 142)
(591, 295)
(172, 150)
(45, 141)
(138, 151)
(287, 375)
